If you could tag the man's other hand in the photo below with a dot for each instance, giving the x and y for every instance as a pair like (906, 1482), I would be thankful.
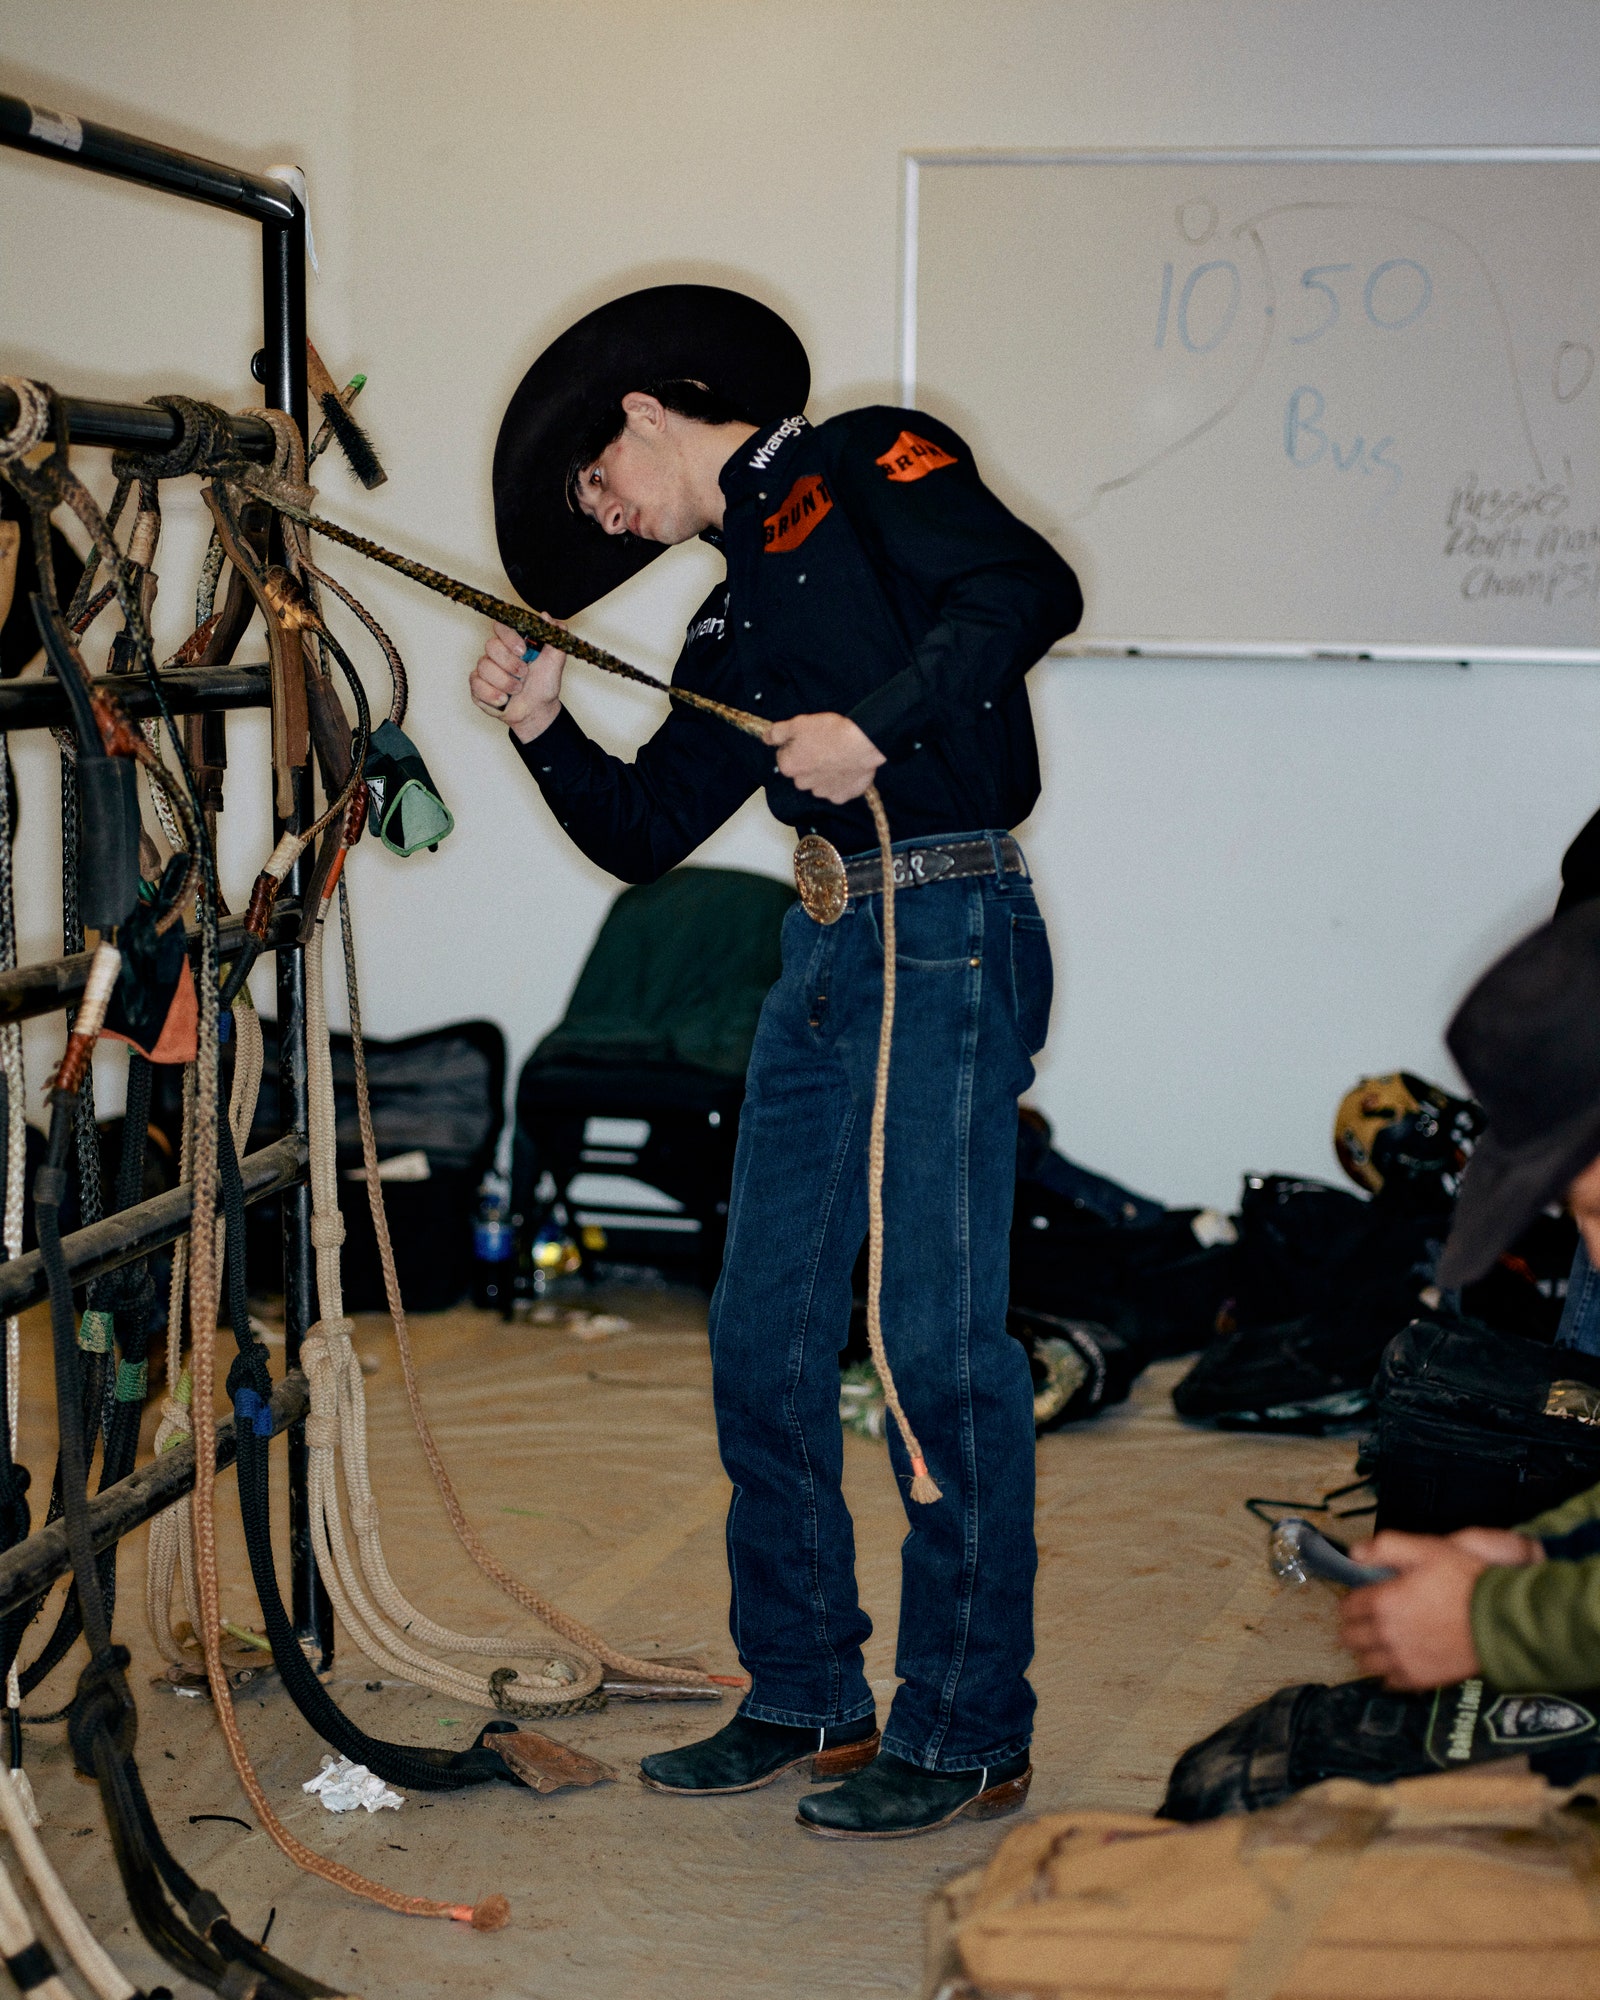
(1416, 1630)
(826, 754)
(523, 694)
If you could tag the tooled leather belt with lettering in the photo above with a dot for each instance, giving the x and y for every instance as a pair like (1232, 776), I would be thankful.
(827, 881)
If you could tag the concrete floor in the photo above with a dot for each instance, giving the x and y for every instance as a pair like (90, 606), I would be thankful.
(589, 1465)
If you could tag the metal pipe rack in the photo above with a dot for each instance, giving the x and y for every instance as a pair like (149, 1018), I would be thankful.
(281, 368)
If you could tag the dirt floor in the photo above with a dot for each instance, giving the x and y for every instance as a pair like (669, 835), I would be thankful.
(590, 1467)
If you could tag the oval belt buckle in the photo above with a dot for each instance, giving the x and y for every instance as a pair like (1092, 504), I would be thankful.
(820, 877)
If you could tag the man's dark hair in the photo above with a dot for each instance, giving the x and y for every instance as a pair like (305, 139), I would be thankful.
(683, 397)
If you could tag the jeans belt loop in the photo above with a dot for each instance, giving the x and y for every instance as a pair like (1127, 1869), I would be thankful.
(997, 848)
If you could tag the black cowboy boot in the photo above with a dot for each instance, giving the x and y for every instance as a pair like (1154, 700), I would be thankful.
(746, 1754)
(891, 1799)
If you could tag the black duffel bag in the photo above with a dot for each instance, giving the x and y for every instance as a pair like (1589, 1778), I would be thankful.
(1477, 1429)
(438, 1103)
(1314, 1373)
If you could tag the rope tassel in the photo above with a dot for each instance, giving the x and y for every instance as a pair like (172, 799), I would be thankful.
(924, 1487)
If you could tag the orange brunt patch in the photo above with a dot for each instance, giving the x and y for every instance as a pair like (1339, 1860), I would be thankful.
(802, 507)
(911, 457)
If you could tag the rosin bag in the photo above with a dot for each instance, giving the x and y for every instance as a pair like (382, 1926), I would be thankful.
(1466, 1886)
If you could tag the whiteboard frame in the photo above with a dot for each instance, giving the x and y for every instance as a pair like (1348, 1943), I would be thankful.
(1232, 156)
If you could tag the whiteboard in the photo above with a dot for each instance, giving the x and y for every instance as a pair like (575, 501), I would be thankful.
(1280, 402)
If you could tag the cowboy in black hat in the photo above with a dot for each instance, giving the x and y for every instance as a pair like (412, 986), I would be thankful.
(883, 608)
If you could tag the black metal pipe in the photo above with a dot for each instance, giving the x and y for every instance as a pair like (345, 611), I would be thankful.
(42, 704)
(102, 149)
(139, 426)
(283, 375)
(28, 1568)
(283, 312)
(132, 1232)
(54, 983)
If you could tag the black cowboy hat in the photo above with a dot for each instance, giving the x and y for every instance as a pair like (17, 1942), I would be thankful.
(559, 560)
(1527, 1039)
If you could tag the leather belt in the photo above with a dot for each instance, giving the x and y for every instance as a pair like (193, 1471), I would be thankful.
(827, 881)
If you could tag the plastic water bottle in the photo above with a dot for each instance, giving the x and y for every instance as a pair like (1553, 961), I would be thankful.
(494, 1244)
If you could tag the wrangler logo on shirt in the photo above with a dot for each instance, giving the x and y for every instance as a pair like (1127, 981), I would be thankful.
(801, 508)
(911, 457)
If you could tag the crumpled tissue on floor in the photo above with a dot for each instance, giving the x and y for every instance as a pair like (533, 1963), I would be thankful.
(344, 1786)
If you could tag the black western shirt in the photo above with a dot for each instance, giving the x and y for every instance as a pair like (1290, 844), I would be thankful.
(871, 573)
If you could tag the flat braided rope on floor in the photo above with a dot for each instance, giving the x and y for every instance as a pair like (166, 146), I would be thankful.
(336, 1441)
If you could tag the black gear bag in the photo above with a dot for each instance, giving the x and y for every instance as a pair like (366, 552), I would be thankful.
(1477, 1429)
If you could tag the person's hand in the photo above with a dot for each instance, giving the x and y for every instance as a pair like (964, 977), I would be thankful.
(523, 694)
(1503, 1548)
(1416, 1629)
(826, 754)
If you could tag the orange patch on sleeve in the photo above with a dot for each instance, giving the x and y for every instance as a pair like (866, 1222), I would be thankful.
(801, 509)
(911, 457)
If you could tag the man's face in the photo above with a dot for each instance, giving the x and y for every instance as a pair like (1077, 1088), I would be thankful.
(640, 483)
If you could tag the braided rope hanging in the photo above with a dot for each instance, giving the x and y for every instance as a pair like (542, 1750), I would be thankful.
(541, 631)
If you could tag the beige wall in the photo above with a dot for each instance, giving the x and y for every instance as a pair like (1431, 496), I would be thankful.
(1263, 880)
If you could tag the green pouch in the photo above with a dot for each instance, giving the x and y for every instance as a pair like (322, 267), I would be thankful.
(406, 810)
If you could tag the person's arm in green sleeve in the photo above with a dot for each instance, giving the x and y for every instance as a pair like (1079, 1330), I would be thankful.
(1557, 1523)
(1538, 1626)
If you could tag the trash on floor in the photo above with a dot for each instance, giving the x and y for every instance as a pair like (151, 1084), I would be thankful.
(342, 1786)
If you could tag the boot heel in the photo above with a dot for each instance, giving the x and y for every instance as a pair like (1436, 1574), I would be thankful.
(844, 1758)
(1000, 1799)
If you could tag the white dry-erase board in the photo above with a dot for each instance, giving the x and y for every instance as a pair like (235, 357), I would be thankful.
(1280, 402)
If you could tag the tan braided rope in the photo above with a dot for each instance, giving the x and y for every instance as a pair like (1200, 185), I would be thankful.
(202, 1345)
(545, 632)
(18, 1937)
(529, 624)
(924, 1489)
(171, 1543)
(491, 1912)
(85, 1950)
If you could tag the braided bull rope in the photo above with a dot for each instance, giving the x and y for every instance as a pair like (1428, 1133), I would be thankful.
(336, 1437)
(545, 632)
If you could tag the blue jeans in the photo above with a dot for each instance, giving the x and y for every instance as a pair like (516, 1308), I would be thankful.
(974, 985)
(1580, 1315)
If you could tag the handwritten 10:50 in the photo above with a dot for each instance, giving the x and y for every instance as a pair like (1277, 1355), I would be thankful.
(1394, 296)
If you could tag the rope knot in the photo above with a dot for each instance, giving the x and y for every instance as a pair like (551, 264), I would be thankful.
(33, 416)
(327, 1231)
(204, 443)
(322, 1433)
